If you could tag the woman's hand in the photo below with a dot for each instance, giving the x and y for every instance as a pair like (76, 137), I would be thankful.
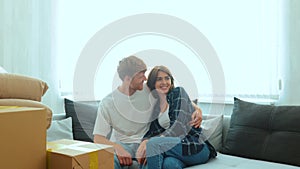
(141, 152)
(196, 117)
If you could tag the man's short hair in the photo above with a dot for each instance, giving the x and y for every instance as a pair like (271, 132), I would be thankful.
(130, 66)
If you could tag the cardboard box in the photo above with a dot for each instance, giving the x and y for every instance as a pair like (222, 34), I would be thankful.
(73, 154)
(23, 138)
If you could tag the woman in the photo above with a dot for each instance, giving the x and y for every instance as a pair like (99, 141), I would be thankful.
(177, 144)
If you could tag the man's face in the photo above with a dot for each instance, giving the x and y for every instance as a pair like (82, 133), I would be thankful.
(137, 81)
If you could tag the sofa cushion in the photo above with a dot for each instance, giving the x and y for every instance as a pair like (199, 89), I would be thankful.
(264, 132)
(83, 115)
(21, 87)
(212, 126)
(60, 129)
(224, 161)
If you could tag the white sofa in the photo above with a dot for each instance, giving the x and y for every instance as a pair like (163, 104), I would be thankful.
(233, 162)
(223, 161)
(222, 129)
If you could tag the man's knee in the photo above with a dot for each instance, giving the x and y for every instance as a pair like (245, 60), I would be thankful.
(135, 165)
(116, 162)
(117, 165)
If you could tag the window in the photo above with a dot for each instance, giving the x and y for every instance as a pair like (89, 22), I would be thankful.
(214, 48)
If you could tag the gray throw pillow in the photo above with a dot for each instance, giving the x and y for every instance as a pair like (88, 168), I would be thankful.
(83, 115)
(264, 132)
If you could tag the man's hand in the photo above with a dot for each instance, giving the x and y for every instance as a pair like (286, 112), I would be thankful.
(141, 153)
(124, 157)
(196, 117)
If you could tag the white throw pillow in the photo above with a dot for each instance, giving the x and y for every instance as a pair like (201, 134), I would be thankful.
(212, 126)
(60, 129)
(2, 70)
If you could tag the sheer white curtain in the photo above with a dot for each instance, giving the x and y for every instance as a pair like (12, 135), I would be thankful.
(244, 35)
(26, 44)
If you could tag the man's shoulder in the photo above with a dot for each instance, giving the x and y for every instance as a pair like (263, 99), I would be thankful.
(107, 99)
(111, 99)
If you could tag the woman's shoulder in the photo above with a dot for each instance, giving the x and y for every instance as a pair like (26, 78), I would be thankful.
(177, 91)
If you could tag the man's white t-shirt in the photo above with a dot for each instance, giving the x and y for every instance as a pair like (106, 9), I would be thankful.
(128, 117)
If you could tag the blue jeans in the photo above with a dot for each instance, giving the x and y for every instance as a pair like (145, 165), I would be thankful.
(131, 148)
(166, 152)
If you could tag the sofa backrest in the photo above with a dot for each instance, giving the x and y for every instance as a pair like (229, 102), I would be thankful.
(264, 132)
(226, 125)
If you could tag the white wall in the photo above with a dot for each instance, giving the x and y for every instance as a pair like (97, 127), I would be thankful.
(25, 44)
(289, 64)
(289, 60)
(17, 40)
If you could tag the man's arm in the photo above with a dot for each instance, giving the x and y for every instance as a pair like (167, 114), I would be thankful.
(196, 116)
(141, 152)
(124, 157)
(102, 140)
(101, 129)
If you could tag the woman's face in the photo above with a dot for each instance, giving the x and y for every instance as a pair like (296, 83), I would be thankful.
(163, 82)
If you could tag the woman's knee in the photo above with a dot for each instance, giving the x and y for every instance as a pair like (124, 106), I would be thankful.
(153, 142)
(153, 147)
(172, 163)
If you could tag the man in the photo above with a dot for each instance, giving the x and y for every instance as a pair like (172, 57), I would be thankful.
(125, 114)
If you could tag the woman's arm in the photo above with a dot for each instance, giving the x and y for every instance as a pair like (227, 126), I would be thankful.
(196, 116)
(181, 110)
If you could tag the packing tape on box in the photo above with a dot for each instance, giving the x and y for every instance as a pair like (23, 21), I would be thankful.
(93, 160)
(8, 107)
(48, 158)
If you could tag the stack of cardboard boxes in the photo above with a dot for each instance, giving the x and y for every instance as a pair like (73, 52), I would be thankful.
(23, 137)
(23, 144)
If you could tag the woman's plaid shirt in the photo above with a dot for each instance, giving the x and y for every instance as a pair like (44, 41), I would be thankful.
(180, 111)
